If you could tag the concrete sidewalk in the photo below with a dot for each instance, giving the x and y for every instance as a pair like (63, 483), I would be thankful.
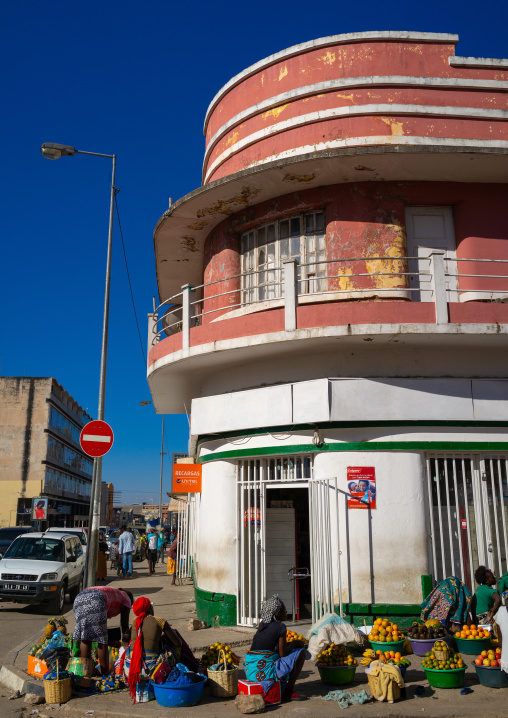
(176, 604)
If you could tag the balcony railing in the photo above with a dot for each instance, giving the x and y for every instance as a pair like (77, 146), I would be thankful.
(435, 278)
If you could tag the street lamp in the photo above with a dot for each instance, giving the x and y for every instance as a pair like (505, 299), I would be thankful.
(53, 151)
(163, 453)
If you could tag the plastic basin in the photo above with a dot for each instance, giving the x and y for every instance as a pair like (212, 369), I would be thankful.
(472, 646)
(395, 646)
(179, 696)
(421, 646)
(446, 679)
(491, 677)
(337, 675)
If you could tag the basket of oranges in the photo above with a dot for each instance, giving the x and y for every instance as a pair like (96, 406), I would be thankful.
(441, 651)
(472, 640)
(383, 632)
(336, 665)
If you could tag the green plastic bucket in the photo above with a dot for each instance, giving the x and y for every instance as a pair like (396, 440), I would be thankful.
(446, 679)
(337, 675)
(393, 646)
(472, 646)
(492, 677)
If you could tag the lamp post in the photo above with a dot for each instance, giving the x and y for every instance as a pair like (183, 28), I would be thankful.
(54, 151)
(163, 453)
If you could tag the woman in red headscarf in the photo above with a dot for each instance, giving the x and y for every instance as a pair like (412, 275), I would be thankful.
(144, 648)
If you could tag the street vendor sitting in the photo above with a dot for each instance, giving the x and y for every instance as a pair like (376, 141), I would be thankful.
(270, 657)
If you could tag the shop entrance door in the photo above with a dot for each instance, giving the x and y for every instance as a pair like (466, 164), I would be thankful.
(262, 550)
(468, 501)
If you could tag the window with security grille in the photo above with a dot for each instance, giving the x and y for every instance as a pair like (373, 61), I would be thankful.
(264, 249)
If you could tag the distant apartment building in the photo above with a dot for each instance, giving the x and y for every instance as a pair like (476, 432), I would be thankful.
(40, 455)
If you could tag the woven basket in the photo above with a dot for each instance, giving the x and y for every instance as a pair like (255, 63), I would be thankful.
(223, 684)
(442, 655)
(373, 681)
(58, 691)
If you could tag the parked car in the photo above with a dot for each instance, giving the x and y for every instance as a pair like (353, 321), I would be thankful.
(78, 531)
(41, 568)
(8, 534)
(138, 554)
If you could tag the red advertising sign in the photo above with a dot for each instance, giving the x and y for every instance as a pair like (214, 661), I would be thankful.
(96, 438)
(253, 516)
(361, 486)
(187, 478)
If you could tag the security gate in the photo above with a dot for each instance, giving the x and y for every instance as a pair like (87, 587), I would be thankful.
(324, 533)
(254, 479)
(186, 539)
(468, 502)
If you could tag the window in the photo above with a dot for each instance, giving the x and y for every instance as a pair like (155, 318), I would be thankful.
(61, 423)
(68, 456)
(59, 481)
(264, 249)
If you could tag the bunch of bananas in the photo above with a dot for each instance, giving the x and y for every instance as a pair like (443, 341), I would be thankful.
(368, 656)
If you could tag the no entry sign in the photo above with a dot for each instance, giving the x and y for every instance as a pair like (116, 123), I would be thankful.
(96, 438)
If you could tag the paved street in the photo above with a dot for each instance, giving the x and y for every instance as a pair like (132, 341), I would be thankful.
(177, 605)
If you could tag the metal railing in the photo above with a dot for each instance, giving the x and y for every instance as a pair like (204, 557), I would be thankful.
(434, 278)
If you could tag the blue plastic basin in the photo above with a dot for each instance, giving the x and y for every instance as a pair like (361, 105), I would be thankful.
(179, 696)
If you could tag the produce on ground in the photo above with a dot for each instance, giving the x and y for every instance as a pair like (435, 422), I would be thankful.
(472, 632)
(212, 656)
(422, 632)
(335, 656)
(490, 658)
(453, 662)
(385, 632)
(292, 636)
(53, 625)
(394, 657)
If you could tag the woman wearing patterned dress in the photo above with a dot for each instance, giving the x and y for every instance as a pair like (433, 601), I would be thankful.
(92, 608)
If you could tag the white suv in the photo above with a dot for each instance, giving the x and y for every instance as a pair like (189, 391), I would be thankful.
(42, 568)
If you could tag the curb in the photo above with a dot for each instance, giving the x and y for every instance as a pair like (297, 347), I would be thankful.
(16, 679)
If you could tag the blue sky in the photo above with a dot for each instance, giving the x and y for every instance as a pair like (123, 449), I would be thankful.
(134, 79)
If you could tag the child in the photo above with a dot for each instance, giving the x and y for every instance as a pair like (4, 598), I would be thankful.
(486, 600)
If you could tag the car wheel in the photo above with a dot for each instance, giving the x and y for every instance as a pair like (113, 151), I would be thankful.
(55, 606)
(75, 591)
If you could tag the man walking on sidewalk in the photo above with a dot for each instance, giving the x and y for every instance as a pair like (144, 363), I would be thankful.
(126, 548)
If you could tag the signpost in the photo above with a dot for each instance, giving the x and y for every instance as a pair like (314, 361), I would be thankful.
(96, 438)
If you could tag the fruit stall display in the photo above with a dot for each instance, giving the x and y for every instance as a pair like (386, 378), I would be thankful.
(488, 669)
(393, 657)
(385, 632)
(211, 655)
(423, 636)
(444, 674)
(471, 639)
(292, 636)
(336, 665)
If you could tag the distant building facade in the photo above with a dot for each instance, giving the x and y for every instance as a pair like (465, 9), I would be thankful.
(40, 455)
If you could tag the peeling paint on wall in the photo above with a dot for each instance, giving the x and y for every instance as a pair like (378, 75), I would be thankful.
(223, 206)
(295, 179)
(328, 58)
(275, 112)
(197, 225)
(189, 243)
(396, 127)
(283, 72)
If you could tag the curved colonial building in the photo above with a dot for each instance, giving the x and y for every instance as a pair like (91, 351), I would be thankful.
(333, 316)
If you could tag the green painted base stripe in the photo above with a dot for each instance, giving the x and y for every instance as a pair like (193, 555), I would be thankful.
(345, 425)
(463, 446)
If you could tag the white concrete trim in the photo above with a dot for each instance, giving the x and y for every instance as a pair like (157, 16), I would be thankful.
(350, 37)
(387, 331)
(352, 82)
(467, 296)
(359, 110)
(494, 62)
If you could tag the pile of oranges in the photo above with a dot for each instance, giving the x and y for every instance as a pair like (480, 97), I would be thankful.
(385, 632)
(334, 656)
(472, 632)
(292, 636)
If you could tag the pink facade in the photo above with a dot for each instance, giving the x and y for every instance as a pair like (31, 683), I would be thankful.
(396, 92)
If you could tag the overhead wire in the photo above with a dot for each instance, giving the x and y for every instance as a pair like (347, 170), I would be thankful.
(130, 284)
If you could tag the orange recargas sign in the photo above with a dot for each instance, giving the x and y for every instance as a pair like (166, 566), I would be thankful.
(187, 478)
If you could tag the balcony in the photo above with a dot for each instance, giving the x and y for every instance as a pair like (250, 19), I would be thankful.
(227, 332)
